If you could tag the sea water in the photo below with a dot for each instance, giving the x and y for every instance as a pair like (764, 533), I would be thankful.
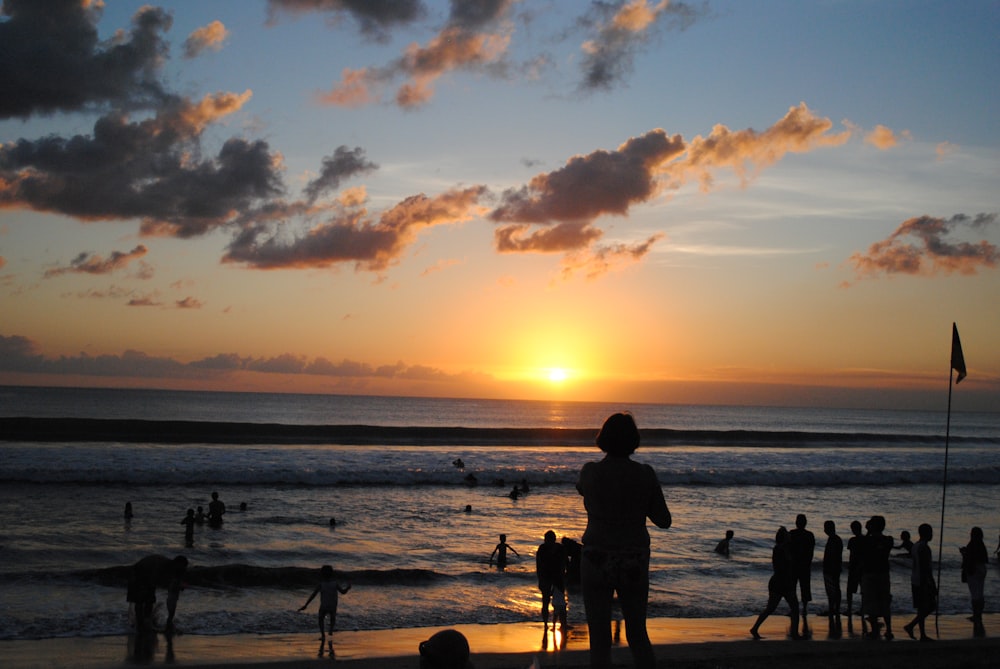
(402, 536)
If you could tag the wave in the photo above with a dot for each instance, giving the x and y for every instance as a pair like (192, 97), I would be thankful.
(32, 429)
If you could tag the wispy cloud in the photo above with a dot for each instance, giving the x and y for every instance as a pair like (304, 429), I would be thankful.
(88, 263)
(620, 31)
(923, 246)
(207, 38)
(473, 38)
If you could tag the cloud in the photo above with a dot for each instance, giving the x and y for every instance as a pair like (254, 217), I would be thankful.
(352, 234)
(605, 258)
(621, 30)
(21, 354)
(884, 138)
(376, 18)
(555, 211)
(921, 246)
(150, 169)
(472, 39)
(52, 59)
(747, 152)
(87, 263)
(344, 163)
(206, 38)
(189, 303)
(601, 182)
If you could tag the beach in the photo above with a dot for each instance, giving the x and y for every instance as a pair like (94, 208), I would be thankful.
(680, 643)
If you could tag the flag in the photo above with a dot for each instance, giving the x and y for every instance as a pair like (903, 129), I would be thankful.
(957, 359)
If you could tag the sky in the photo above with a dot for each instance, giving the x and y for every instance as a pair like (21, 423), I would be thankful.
(724, 202)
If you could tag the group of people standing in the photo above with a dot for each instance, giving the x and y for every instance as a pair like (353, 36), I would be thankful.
(868, 574)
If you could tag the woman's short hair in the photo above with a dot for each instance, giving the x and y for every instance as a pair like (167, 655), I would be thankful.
(619, 435)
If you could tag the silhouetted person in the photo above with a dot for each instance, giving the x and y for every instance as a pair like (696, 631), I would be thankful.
(875, 587)
(922, 582)
(550, 567)
(833, 561)
(199, 516)
(780, 586)
(619, 494)
(188, 522)
(500, 552)
(144, 577)
(216, 509)
(174, 588)
(905, 544)
(329, 591)
(128, 511)
(458, 464)
(974, 561)
(722, 548)
(854, 550)
(573, 554)
(802, 546)
(447, 649)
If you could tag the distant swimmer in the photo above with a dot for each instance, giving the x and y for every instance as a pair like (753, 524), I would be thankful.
(128, 510)
(500, 552)
(468, 508)
(199, 516)
(470, 479)
(216, 509)
(722, 548)
(188, 522)
(458, 464)
(515, 493)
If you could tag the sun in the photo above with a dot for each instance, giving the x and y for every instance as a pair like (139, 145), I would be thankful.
(557, 374)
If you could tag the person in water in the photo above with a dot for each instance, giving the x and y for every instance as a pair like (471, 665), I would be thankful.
(619, 494)
(500, 552)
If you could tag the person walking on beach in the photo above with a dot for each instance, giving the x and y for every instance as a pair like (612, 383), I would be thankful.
(722, 548)
(876, 597)
(618, 495)
(974, 561)
(216, 509)
(780, 586)
(500, 552)
(550, 567)
(329, 591)
(802, 546)
(832, 566)
(922, 582)
(854, 550)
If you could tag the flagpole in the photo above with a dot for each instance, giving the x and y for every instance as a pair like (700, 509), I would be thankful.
(957, 365)
(944, 493)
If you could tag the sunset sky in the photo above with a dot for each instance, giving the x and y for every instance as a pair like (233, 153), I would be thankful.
(769, 202)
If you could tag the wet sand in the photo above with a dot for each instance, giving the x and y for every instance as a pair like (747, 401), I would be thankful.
(680, 644)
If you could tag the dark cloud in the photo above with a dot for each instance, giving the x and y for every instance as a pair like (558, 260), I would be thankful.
(189, 303)
(343, 164)
(923, 246)
(21, 354)
(52, 60)
(88, 263)
(375, 18)
(602, 182)
(620, 31)
(149, 169)
(353, 235)
(521, 238)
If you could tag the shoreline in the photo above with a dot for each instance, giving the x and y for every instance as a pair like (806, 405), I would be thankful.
(681, 643)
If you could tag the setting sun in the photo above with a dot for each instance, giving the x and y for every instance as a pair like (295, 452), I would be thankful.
(557, 375)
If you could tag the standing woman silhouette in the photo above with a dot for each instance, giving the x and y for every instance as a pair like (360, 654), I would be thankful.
(618, 494)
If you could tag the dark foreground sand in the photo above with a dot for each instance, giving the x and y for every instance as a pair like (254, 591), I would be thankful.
(680, 644)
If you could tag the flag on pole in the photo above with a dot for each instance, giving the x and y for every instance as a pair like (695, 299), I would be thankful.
(957, 359)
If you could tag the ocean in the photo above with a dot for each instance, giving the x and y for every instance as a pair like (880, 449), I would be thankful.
(402, 536)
